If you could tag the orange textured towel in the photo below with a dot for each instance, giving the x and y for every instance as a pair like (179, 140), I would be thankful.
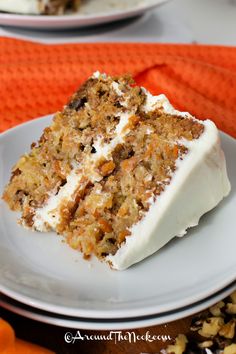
(38, 79)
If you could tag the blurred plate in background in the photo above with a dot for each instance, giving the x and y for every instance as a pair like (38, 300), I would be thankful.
(91, 13)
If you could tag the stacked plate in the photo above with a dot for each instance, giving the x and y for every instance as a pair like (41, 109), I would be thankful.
(42, 278)
(91, 13)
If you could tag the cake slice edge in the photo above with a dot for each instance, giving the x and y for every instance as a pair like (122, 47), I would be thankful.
(201, 176)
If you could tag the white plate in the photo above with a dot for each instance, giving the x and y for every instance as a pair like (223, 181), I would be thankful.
(43, 272)
(113, 324)
(92, 12)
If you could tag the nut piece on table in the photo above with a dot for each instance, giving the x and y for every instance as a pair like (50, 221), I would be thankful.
(179, 346)
(228, 330)
(230, 349)
(215, 310)
(205, 344)
(231, 308)
(233, 297)
(211, 327)
(216, 326)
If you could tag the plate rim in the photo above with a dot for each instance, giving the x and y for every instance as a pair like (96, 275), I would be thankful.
(124, 323)
(82, 20)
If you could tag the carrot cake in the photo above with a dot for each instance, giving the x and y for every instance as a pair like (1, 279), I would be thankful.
(119, 172)
(39, 7)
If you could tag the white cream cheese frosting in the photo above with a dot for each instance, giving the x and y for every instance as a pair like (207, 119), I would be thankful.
(199, 183)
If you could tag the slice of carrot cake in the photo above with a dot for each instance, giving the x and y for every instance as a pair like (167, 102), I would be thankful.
(39, 7)
(119, 172)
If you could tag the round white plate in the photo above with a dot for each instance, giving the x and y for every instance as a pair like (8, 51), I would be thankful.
(43, 272)
(113, 324)
(92, 12)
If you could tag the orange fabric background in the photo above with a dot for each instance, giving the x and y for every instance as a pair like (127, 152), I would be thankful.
(38, 79)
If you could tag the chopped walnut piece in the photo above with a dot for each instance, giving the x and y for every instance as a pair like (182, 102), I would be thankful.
(179, 346)
(233, 297)
(218, 331)
(231, 308)
(228, 330)
(230, 349)
(205, 344)
(211, 327)
(215, 310)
